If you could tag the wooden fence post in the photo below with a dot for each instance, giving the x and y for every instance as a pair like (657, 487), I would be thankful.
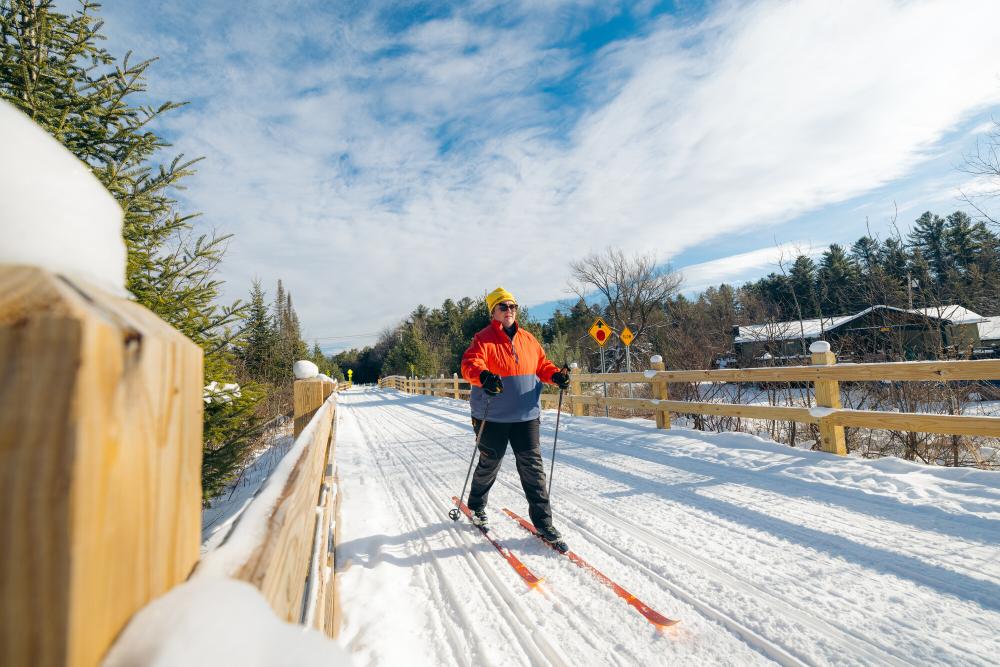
(575, 389)
(454, 380)
(100, 465)
(828, 396)
(308, 398)
(660, 391)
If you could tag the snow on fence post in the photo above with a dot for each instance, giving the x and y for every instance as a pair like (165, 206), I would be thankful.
(309, 393)
(100, 464)
(454, 380)
(660, 392)
(828, 396)
(575, 389)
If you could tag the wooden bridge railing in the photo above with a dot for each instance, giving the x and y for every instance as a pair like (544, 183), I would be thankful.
(284, 547)
(100, 476)
(825, 374)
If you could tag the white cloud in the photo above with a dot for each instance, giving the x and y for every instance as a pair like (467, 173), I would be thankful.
(743, 266)
(332, 176)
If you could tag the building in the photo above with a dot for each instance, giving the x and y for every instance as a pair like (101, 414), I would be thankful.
(989, 338)
(876, 333)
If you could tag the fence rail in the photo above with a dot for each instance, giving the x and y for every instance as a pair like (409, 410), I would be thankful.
(825, 374)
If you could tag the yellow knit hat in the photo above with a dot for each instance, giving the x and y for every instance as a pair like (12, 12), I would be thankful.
(497, 296)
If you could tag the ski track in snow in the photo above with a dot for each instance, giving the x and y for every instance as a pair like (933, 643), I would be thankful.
(752, 545)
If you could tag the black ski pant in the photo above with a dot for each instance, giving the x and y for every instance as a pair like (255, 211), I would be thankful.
(523, 439)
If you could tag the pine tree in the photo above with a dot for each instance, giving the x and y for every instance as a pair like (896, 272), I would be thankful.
(837, 279)
(960, 242)
(53, 69)
(928, 236)
(895, 262)
(259, 343)
(803, 286)
(865, 253)
(411, 355)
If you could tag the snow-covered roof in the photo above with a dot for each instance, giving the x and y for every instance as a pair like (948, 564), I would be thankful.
(989, 328)
(815, 328)
(953, 313)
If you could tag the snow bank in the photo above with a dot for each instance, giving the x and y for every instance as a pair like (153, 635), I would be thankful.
(55, 213)
(218, 621)
(956, 491)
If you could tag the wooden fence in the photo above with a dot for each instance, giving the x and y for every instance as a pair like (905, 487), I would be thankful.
(296, 552)
(100, 474)
(825, 374)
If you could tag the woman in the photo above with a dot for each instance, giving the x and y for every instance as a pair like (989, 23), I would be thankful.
(506, 367)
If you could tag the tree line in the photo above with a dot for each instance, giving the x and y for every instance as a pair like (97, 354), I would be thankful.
(942, 260)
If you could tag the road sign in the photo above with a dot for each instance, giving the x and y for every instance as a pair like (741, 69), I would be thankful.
(600, 331)
(626, 336)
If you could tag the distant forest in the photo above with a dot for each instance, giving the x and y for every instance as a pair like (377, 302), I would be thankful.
(942, 260)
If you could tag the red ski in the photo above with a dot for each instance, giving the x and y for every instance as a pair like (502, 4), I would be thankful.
(519, 567)
(654, 617)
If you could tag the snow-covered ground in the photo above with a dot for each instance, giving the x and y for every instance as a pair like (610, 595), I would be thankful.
(765, 553)
(225, 510)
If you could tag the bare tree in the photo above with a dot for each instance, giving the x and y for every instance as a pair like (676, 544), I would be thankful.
(635, 287)
(984, 163)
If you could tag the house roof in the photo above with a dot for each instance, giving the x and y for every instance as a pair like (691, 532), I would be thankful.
(989, 328)
(815, 328)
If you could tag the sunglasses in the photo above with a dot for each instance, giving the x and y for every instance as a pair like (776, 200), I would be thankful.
(504, 307)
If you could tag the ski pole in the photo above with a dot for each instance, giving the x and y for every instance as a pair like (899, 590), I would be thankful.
(552, 467)
(453, 513)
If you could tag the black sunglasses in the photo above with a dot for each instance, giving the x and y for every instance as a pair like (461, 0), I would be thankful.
(504, 307)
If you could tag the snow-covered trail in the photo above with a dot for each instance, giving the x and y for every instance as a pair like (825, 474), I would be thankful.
(765, 553)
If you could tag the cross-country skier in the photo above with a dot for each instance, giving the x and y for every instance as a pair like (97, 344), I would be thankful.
(506, 367)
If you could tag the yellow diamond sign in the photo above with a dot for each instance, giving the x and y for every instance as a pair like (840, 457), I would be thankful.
(626, 336)
(600, 331)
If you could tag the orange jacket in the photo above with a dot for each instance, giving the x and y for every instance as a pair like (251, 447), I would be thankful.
(519, 361)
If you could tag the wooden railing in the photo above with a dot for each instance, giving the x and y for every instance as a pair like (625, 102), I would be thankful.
(100, 476)
(291, 560)
(825, 374)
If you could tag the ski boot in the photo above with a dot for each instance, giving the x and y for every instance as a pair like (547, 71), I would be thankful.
(480, 519)
(551, 536)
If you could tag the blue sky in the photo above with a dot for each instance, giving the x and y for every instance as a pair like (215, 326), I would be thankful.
(377, 155)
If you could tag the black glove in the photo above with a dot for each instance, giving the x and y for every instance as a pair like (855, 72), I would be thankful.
(492, 384)
(560, 380)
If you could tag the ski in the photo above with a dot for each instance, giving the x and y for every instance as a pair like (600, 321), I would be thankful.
(519, 567)
(654, 617)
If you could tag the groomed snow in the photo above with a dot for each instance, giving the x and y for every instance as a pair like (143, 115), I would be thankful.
(764, 552)
(55, 213)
